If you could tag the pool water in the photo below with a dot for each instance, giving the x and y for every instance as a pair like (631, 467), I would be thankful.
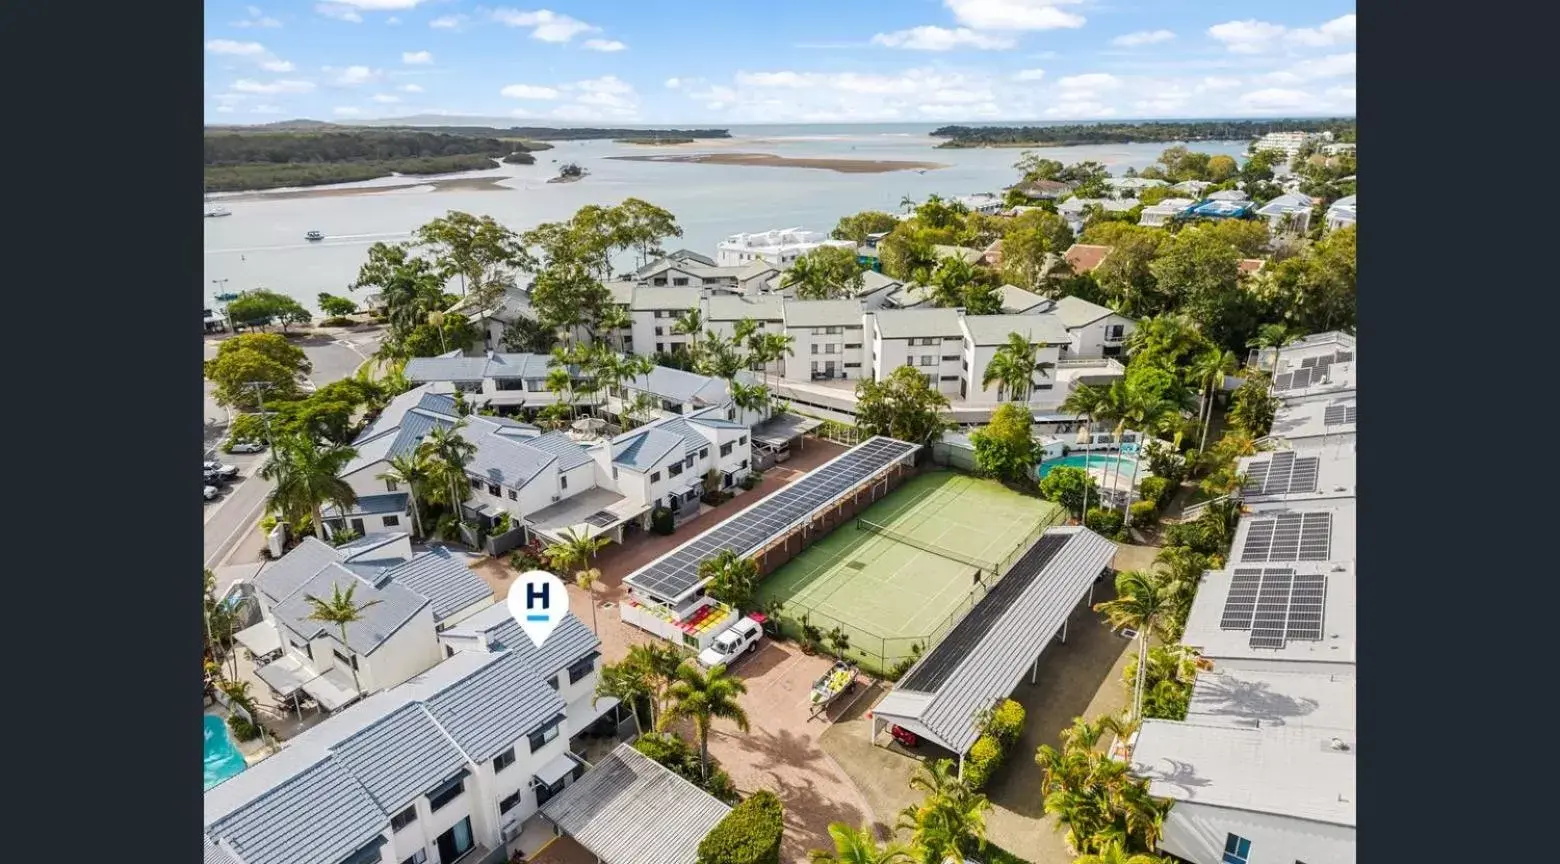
(1103, 461)
(222, 757)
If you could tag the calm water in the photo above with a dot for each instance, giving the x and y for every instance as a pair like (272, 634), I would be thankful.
(221, 755)
(262, 245)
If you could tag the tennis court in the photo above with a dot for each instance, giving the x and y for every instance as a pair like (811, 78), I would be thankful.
(905, 577)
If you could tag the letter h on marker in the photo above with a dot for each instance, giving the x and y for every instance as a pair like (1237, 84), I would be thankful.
(533, 594)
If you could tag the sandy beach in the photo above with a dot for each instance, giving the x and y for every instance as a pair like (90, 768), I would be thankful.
(769, 160)
(487, 183)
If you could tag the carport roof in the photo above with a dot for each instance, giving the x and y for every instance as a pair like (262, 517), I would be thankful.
(784, 427)
(986, 654)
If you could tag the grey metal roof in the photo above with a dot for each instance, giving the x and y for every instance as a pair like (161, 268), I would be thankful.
(497, 629)
(284, 577)
(665, 297)
(493, 708)
(371, 505)
(418, 398)
(1263, 698)
(735, 307)
(491, 365)
(396, 605)
(442, 578)
(502, 457)
(675, 385)
(319, 816)
(570, 454)
(423, 757)
(873, 282)
(630, 810)
(989, 669)
(1076, 312)
(994, 329)
(918, 323)
(1287, 203)
(643, 448)
(213, 854)
(1016, 300)
(823, 313)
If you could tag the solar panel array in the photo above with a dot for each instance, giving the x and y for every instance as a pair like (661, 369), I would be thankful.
(1283, 474)
(1337, 414)
(1289, 537)
(600, 519)
(1294, 380)
(675, 572)
(1276, 605)
(934, 669)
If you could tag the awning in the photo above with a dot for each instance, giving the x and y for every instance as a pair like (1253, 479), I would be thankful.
(582, 713)
(285, 676)
(329, 693)
(783, 428)
(559, 768)
(260, 639)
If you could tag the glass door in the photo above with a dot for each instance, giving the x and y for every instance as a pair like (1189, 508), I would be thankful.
(455, 842)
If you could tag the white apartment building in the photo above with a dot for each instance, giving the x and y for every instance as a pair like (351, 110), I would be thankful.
(1075, 210)
(1131, 187)
(1289, 213)
(779, 247)
(1092, 329)
(829, 344)
(665, 463)
(499, 380)
(1287, 143)
(445, 765)
(655, 312)
(985, 334)
(1163, 213)
(929, 340)
(1341, 213)
(722, 312)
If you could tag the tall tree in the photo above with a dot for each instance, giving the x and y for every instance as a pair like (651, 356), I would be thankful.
(690, 324)
(825, 273)
(642, 226)
(1140, 604)
(1006, 447)
(701, 697)
(906, 406)
(411, 470)
(255, 358)
(341, 610)
(448, 454)
(852, 846)
(950, 822)
(575, 552)
(1014, 366)
(307, 476)
(857, 226)
(477, 250)
(1209, 371)
(731, 578)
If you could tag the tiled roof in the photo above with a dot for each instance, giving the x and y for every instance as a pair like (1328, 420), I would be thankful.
(994, 329)
(918, 323)
(1084, 257)
(444, 579)
(498, 705)
(424, 757)
(319, 816)
(393, 606)
(645, 447)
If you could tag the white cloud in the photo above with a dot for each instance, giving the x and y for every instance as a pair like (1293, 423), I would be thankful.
(546, 25)
(606, 45)
(230, 48)
(411, 88)
(381, 5)
(225, 109)
(347, 111)
(393, 21)
(245, 85)
(1332, 66)
(941, 39)
(352, 76)
(673, 83)
(604, 98)
(416, 58)
(1014, 14)
(385, 98)
(528, 91)
(447, 22)
(1079, 110)
(1255, 37)
(338, 11)
(1090, 82)
(256, 18)
(276, 66)
(1143, 37)
(1029, 75)
(1277, 98)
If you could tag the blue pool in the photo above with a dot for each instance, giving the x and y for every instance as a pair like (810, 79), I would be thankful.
(222, 757)
(1102, 461)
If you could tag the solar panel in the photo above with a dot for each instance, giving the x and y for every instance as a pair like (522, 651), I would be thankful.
(935, 668)
(1242, 600)
(1299, 378)
(1276, 605)
(674, 573)
(1336, 414)
(1283, 474)
(1306, 600)
(600, 519)
(1289, 537)
(1267, 625)
(1344, 356)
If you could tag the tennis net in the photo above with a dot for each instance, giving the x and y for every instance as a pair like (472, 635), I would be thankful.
(874, 528)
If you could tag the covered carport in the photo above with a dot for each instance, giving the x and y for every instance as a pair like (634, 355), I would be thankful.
(985, 656)
(781, 430)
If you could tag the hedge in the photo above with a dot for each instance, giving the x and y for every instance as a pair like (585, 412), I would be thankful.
(1142, 513)
(1000, 732)
(749, 834)
(661, 521)
(1102, 521)
(1007, 721)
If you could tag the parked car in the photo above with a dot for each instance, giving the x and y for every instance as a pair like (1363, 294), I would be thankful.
(210, 492)
(738, 639)
(214, 478)
(222, 470)
(247, 447)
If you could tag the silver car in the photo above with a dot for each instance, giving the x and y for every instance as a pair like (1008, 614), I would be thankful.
(210, 493)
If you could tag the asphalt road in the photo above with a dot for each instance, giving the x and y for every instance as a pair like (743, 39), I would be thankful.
(230, 521)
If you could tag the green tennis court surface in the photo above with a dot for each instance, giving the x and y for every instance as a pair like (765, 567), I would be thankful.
(887, 595)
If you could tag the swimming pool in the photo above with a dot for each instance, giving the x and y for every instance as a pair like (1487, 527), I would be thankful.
(222, 757)
(1098, 461)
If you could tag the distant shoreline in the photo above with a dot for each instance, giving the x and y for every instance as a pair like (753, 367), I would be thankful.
(769, 160)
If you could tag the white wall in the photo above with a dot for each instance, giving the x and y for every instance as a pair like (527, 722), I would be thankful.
(644, 335)
(1198, 832)
(799, 367)
(409, 652)
(1089, 340)
(365, 481)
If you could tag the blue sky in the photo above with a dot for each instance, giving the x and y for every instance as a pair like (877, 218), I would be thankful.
(797, 61)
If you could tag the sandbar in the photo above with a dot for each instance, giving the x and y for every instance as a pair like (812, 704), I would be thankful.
(488, 183)
(769, 160)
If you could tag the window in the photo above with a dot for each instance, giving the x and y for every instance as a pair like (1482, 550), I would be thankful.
(817, 331)
(909, 361)
(950, 357)
(832, 331)
(815, 348)
(345, 660)
(660, 347)
(659, 331)
(504, 760)
(928, 360)
(540, 737)
(367, 855)
(390, 485)
(447, 793)
(563, 482)
(742, 440)
(392, 521)
(1237, 849)
(475, 483)
(725, 449)
(704, 453)
(655, 476)
(815, 365)
(418, 857)
(509, 803)
(1113, 331)
(852, 365)
(581, 669)
(403, 818)
(674, 470)
(688, 463)
(683, 280)
(493, 489)
(513, 495)
(831, 348)
(849, 345)
(744, 464)
(951, 378)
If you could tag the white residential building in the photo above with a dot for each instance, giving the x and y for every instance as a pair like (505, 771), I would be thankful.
(1092, 329)
(828, 342)
(722, 313)
(665, 463)
(445, 766)
(982, 202)
(1289, 213)
(985, 334)
(655, 312)
(410, 601)
(1341, 213)
(929, 340)
(1287, 143)
(1164, 212)
(780, 247)
(493, 379)
(1075, 210)
(1123, 187)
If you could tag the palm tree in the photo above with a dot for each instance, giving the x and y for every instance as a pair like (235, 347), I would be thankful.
(950, 822)
(340, 610)
(1113, 853)
(749, 397)
(1087, 400)
(1149, 415)
(559, 381)
(411, 470)
(731, 578)
(575, 551)
(861, 847)
(776, 346)
(1140, 604)
(615, 318)
(810, 280)
(627, 681)
(1180, 570)
(1208, 370)
(701, 697)
(690, 323)
(307, 475)
(1093, 795)
(1274, 336)
(1014, 366)
(1114, 408)
(448, 454)
(660, 662)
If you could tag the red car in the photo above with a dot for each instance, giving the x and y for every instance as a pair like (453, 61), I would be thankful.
(905, 737)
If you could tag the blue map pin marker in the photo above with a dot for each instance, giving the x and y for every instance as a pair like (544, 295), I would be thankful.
(538, 600)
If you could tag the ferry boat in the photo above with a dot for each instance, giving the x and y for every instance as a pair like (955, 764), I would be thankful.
(314, 235)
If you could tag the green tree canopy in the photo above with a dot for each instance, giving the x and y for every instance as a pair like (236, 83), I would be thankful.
(1005, 448)
(336, 307)
(749, 834)
(266, 358)
(825, 273)
(906, 406)
(857, 226)
(262, 306)
(1069, 487)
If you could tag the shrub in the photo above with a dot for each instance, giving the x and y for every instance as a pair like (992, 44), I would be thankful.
(524, 561)
(1141, 513)
(661, 521)
(673, 754)
(750, 481)
(1156, 489)
(749, 834)
(243, 730)
(983, 761)
(267, 523)
(339, 321)
(1007, 722)
(1103, 522)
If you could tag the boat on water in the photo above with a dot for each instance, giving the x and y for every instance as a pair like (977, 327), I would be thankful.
(314, 235)
(214, 212)
(227, 296)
